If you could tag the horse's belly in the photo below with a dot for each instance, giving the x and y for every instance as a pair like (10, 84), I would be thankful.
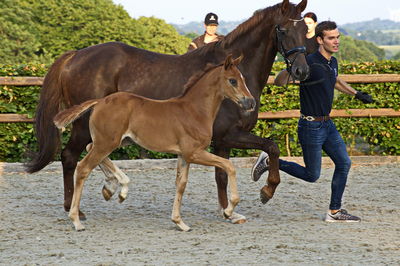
(153, 142)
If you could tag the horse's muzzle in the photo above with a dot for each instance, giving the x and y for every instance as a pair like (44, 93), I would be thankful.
(247, 103)
(301, 73)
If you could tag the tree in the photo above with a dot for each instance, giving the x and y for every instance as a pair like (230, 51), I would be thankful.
(162, 37)
(358, 51)
(41, 30)
(18, 43)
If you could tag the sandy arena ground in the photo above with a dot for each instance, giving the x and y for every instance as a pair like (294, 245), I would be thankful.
(35, 230)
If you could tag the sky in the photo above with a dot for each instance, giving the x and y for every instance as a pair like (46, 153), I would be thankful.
(182, 12)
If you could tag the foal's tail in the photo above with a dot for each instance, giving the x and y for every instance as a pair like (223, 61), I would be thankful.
(51, 99)
(62, 119)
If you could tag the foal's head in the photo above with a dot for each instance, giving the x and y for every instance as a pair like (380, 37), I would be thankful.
(234, 85)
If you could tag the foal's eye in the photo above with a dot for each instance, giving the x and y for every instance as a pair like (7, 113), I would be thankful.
(233, 82)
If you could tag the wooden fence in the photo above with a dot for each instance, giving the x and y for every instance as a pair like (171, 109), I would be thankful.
(356, 78)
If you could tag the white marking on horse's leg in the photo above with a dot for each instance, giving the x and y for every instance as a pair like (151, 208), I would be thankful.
(111, 184)
(79, 178)
(232, 182)
(180, 182)
(235, 218)
(120, 176)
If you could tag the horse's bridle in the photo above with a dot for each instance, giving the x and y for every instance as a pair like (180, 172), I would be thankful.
(286, 53)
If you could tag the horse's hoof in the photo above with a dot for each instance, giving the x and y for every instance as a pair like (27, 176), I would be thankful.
(264, 197)
(82, 216)
(121, 198)
(235, 218)
(106, 193)
(183, 227)
(80, 228)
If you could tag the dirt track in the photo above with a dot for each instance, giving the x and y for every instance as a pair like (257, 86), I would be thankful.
(35, 230)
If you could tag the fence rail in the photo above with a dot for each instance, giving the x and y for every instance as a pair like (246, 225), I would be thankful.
(352, 78)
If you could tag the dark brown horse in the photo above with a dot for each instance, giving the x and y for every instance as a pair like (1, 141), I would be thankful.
(100, 70)
(182, 126)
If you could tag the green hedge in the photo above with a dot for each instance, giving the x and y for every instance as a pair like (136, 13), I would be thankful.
(365, 135)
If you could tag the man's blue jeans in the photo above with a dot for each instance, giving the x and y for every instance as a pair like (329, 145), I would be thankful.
(315, 137)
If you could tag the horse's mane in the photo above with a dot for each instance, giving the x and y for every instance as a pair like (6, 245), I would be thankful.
(198, 75)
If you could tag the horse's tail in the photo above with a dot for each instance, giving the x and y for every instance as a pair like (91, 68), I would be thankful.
(62, 119)
(47, 135)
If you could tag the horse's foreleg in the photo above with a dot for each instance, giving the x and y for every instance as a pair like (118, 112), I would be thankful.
(80, 137)
(245, 140)
(221, 178)
(206, 158)
(181, 181)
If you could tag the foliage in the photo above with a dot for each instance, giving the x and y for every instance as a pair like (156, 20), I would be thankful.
(352, 50)
(18, 43)
(162, 37)
(41, 30)
(380, 135)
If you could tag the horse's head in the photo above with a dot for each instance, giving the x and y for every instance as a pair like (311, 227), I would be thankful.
(290, 37)
(235, 87)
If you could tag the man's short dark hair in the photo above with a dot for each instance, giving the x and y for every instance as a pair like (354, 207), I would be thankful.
(324, 25)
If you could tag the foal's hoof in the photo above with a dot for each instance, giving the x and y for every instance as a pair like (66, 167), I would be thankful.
(264, 196)
(107, 194)
(121, 198)
(235, 218)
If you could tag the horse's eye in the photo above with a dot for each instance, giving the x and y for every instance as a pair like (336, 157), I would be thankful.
(233, 82)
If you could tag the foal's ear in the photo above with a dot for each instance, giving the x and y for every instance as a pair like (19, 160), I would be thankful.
(301, 6)
(237, 61)
(228, 62)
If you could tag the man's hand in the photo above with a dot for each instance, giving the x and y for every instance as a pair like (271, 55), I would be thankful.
(364, 97)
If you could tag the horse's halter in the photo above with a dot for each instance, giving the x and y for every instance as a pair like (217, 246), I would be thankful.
(286, 53)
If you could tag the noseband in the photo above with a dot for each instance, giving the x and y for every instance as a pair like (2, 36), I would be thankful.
(286, 53)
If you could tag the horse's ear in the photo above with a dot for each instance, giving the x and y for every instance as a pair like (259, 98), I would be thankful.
(228, 62)
(237, 61)
(301, 6)
(285, 6)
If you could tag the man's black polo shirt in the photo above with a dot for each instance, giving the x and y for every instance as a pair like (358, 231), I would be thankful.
(316, 93)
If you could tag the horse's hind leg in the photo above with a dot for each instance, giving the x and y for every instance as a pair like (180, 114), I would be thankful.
(181, 181)
(115, 175)
(83, 169)
(80, 137)
(111, 185)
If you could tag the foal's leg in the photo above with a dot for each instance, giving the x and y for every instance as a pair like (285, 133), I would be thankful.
(181, 181)
(222, 182)
(245, 140)
(80, 137)
(109, 170)
(117, 177)
(82, 171)
(206, 158)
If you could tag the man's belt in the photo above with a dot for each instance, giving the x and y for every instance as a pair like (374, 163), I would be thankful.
(315, 118)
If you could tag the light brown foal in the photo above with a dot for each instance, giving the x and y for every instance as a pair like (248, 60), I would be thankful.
(182, 126)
